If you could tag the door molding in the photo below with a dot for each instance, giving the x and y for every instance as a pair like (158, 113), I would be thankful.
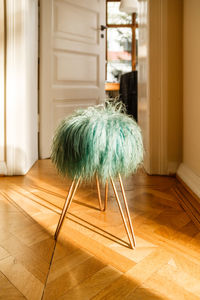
(21, 86)
(3, 168)
(157, 87)
(159, 94)
(151, 99)
(10, 71)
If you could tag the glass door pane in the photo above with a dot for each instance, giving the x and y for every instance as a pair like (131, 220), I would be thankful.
(115, 16)
(119, 49)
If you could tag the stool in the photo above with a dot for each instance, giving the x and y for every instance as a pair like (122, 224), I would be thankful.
(100, 142)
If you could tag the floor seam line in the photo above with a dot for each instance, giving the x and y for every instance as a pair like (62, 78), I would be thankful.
(50, 264)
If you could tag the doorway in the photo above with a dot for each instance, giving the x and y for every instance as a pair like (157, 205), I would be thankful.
(72, 59)
(154, 81)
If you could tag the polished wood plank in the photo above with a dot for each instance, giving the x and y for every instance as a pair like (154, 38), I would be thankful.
(66, 281)
(67, 263)
(119, 289)
(93, 285)
(8, 291)
(21, 278)
(91, 259)
(162, 288)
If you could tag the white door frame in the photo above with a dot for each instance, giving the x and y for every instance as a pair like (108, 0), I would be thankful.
(20, 103)
(157, 94)
(152, 108)
(3, 168)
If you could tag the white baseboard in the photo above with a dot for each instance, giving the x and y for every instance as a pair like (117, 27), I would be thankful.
(172, 167)
(189, 178)
(3, 169)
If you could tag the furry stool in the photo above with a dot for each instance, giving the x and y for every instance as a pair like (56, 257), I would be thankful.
(99, 142)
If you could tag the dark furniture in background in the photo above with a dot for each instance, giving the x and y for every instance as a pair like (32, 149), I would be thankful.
(128, 92)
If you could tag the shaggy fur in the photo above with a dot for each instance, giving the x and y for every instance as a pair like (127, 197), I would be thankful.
(98, 140)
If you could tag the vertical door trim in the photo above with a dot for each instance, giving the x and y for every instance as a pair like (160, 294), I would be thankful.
(152, 93)
(21, 99)
(3, 168)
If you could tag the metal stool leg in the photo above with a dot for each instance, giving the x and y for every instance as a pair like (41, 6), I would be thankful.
(66, 206)
(127, 209)
(122, 214)
(99, 193)
(106, 196)
(71, 194)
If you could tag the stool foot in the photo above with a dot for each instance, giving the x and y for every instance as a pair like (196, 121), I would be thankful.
(129, 232)
(68, 201)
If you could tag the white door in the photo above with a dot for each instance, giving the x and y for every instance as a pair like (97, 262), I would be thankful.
(72, 61)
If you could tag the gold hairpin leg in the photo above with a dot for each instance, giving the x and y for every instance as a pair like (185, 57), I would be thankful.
(131, 239)
(106, 196)
(68, 201)
(71, 194)
(99, 193)
(127, 210)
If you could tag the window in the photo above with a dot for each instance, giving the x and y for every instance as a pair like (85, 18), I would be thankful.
(121, 44)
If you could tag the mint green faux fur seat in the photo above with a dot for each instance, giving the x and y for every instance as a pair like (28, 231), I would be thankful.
(98, 142)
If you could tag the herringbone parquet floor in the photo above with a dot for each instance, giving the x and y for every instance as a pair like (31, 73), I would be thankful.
(91, 259)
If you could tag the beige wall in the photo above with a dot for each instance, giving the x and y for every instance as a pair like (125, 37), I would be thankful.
(189, 170)
(191, 132)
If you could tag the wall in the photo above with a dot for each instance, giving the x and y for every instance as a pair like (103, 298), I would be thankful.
(189, 170)
(21, 85)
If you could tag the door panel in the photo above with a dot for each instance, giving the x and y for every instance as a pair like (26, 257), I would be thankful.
(72, 62)
(66, 23)
(87, 66)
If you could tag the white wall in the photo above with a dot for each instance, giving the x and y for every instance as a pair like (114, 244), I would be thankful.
(21, 85)
(189, 170)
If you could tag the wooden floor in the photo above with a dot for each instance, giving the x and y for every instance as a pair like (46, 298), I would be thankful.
(91, 259)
